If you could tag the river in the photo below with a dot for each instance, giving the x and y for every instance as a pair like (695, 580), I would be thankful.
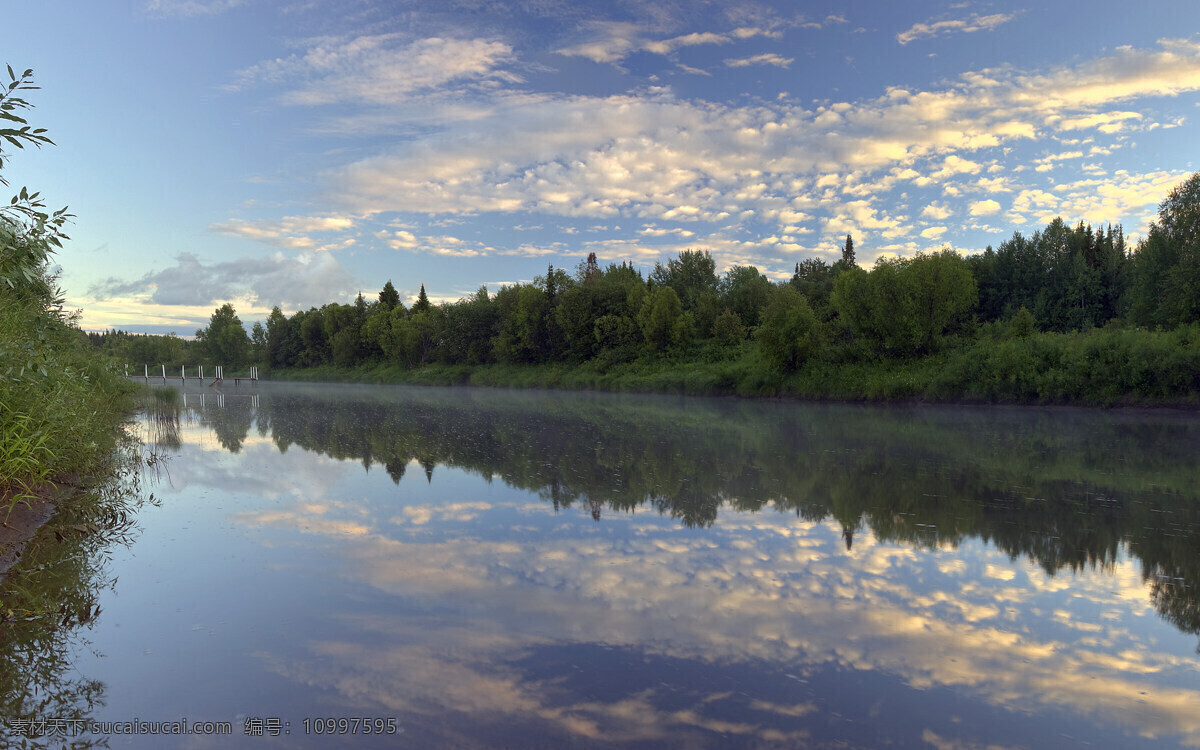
(331, 566)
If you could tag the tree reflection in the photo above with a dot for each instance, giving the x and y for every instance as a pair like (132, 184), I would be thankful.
(47, 603)
(1066, 489)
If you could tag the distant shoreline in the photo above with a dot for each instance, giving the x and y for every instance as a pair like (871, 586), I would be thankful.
(1007, 373)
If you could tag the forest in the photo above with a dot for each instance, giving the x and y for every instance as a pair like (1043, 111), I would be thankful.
(1068, 314)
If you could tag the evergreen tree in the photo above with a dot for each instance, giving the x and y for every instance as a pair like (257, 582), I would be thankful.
(848, 251)
(591, 269)
(422, 303)
(388, 296)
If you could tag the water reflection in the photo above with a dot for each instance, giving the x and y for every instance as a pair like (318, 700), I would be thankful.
(759, 575)
(1063, 488)
(51, 599)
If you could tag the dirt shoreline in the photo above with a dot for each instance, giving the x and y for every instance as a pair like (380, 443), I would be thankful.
(20, 526)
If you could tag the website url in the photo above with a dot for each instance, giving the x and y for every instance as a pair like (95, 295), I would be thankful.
(76, 727)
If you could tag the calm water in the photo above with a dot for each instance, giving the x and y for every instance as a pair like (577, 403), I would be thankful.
(513, 569)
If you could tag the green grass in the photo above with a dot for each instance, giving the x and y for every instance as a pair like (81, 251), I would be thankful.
(61, 407)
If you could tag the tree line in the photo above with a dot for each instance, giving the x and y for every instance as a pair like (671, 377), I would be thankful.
(1059, 279)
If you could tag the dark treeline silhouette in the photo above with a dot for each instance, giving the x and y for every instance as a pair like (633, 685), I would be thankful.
(1067, 490)
(1061, 280)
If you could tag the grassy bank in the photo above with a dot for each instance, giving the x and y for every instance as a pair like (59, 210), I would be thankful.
(1101, 367)
(61, 408)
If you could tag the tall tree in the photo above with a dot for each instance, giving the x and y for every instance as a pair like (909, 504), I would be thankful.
(1167, 264)
(422, 303)
(904, 305)
(745, 291)
(693, 276)
(388, 296)
(663, 322)
(790, 333)
(848, 251)
(224, 339)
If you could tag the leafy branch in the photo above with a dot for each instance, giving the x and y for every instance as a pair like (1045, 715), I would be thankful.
(16, 130)
(29, 232)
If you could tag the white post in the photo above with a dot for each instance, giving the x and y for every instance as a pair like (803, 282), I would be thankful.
(182, 372)
(147, 371)
(126, 370)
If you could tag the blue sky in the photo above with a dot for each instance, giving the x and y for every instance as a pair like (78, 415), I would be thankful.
(296, 152)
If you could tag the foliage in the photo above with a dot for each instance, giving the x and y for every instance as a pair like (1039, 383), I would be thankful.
(904, 305)
(1069, 279)
(389, 297)
(1022, 324)
(224, 341)
(790, 333)
(662, 320)
(728, 329)
(746, 291)
(60, 406)
(1165, 289)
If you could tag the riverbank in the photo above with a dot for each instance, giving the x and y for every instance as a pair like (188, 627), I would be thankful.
(19, 528)
(62, 421)
(1101, 367)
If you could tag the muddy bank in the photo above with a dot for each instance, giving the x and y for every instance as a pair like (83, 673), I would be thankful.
(20, 525)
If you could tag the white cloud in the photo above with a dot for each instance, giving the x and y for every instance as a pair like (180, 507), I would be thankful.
(291, 281)
(399, 240)
(1047, 162)
(653, 231)
(613, 41)
(290, 231)
(984, 207)
(652, 156)
(382, 69)
(1108, 122)
(937, 211)
(766, 58)
(974, 23)
(188, 8)
(747, 32)
(956, 165)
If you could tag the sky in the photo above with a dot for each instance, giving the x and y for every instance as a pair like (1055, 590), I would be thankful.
(298, 152)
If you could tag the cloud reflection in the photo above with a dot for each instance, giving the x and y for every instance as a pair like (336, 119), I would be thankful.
(768, 591)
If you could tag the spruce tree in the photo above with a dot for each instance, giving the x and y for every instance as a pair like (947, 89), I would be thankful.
(422, 303)
(848, 250)
(389, 297)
